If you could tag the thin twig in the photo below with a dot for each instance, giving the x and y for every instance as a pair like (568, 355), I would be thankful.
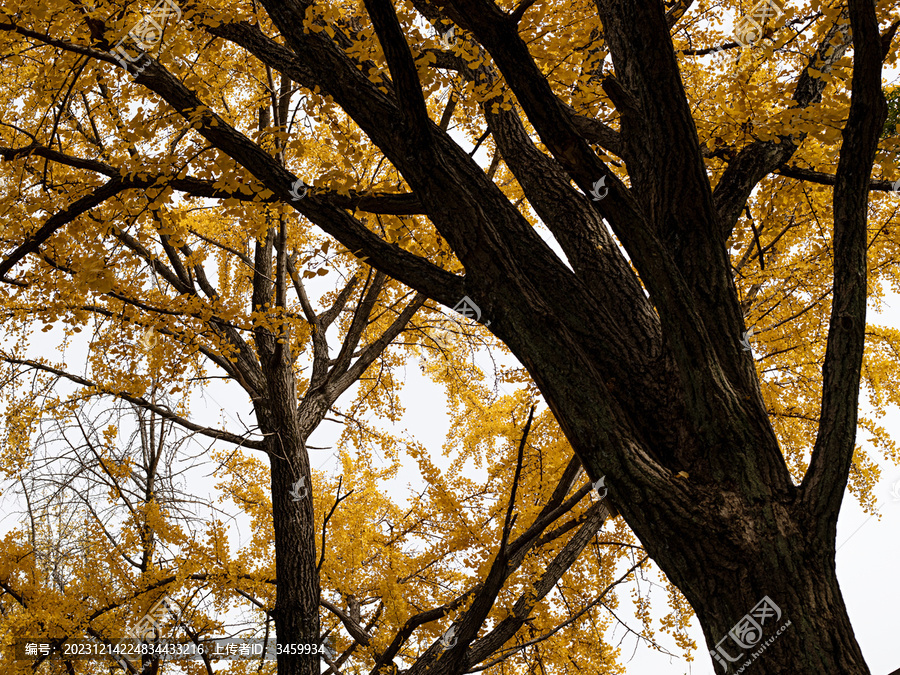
(337, 501)
(510, 519)
(762, 264)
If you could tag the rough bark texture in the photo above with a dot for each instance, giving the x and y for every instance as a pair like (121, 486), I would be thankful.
(296, 611)
(643, 387)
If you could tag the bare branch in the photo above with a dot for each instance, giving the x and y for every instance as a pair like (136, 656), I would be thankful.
(143, 403)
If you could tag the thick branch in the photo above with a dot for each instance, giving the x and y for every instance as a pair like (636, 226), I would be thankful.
(356, 631)
(554, 571)
(403, 70)
(823, 486)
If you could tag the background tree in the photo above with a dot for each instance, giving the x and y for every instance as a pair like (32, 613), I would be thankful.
(161, 293)
(708, 452)
(111, 529)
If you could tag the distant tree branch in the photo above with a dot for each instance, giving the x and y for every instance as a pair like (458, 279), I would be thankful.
(405, 203)
(337, 500)
(760, 158)
(163, 412)
(823, 178)
(356, 631)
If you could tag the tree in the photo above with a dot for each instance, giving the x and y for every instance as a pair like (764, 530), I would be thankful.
(107, 526)
(162, 292)
(638, 339)
(111, 530)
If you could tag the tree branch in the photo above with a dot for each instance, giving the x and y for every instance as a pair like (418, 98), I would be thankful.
(356, 631)
(59, 220)
(163, 412)
(825, 481)
(403, 71)
(755, 161)
(823, 178)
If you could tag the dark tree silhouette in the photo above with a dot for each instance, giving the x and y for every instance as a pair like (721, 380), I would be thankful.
(645, 385)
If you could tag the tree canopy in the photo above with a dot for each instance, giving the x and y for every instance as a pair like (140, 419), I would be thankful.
(675, 234)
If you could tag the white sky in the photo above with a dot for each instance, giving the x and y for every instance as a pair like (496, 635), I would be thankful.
(866, 559)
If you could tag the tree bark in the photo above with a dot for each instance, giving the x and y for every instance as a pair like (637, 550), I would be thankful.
(648, 389)
(767, 598)
(296, 611)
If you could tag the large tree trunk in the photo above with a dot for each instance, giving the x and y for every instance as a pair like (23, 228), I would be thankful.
(730, 534)
(653, 391)
(296, 611)
(766, 595)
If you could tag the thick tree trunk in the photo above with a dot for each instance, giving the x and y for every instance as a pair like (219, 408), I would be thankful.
(296, 611)
(770, 606)
(729, 534)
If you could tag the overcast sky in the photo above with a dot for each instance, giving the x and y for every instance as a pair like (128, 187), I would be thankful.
(867, 557)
